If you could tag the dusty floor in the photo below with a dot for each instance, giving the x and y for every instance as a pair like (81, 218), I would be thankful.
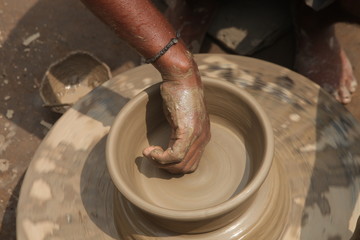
(65, 26)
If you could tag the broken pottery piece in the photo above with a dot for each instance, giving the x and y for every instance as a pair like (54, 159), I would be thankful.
(71, 78)
(223, 188)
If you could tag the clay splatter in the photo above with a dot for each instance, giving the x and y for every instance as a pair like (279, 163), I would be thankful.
(6, 140)
(46, 124)
(147, 81)
(294, 117)
(9, 113)
(4, 165)
(44, 165)
(68, 218)
(341, 135)
(40, 190)
(130, 85)
(31, 38)
(39, 230)
(308, 148)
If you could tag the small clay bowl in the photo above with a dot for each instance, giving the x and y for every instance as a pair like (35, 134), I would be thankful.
(71, 78)
(234, 165)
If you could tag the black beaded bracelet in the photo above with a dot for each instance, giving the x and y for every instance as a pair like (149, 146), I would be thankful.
(172, 42)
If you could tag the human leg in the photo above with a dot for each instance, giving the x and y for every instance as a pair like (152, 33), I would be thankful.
(319, 55)
(192, 18)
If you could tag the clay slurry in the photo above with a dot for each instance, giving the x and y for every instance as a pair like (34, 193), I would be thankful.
(224, 170)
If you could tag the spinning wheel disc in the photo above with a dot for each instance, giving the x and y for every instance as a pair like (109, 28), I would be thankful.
(68, 194)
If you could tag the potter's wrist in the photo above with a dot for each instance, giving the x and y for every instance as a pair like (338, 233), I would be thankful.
(178, 65)
(177, 54)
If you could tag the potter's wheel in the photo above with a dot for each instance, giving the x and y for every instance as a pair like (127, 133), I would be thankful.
(68, 194)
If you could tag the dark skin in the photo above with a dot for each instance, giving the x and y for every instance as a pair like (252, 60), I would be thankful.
(141, 25)
(193, 18)
(320, 56)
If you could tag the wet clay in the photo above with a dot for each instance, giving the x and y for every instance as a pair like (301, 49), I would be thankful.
(233, 167)
(251, 220)
(311, 191)
(185, 111)
(224, 170)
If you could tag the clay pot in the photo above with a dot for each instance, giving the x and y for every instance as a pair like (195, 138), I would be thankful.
(71, 78)
(234, 165)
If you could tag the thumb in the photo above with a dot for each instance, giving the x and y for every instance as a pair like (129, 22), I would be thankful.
(156, 153)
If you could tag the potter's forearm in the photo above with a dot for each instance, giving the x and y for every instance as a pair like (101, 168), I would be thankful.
(140, 24)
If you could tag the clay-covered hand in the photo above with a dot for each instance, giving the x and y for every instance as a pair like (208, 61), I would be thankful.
(144, 27)
(184, 107)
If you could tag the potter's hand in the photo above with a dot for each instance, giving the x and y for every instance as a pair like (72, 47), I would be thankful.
(184, 107)
(182, 88)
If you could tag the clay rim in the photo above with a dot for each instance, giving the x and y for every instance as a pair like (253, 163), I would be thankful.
(201, 214)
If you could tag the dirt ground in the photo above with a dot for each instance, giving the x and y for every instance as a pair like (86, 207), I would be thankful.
(63, 26)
